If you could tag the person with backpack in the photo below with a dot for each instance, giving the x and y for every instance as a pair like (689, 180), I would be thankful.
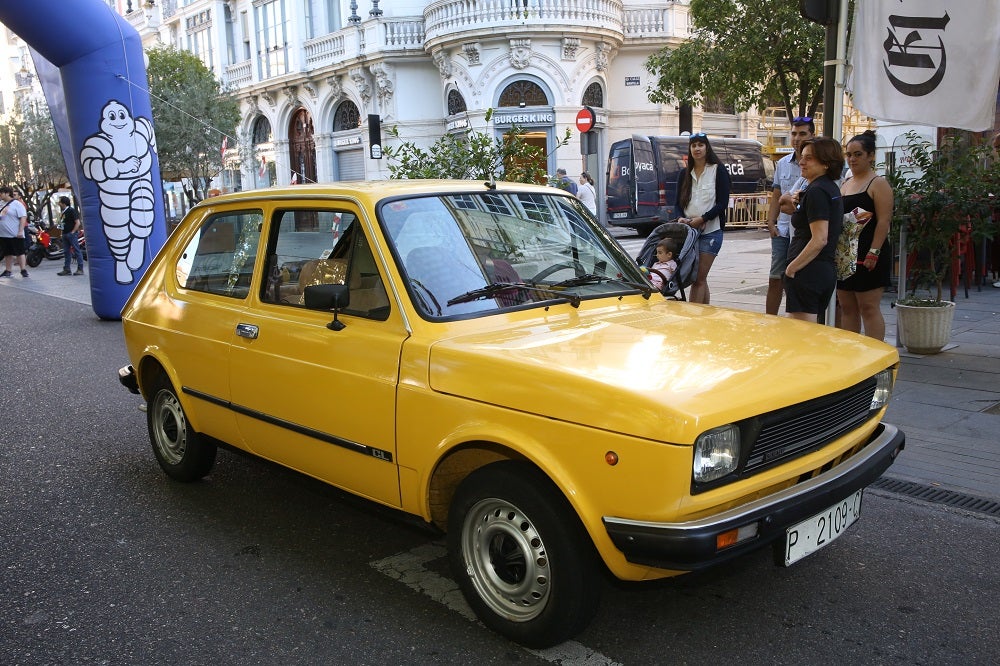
(702, 201)
(71, 240)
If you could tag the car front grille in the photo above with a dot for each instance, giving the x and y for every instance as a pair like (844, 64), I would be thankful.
(790, 432)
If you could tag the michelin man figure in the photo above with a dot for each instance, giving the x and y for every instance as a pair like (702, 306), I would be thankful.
(119, 160)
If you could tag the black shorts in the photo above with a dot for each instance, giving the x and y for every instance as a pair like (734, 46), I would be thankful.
(811, 289)
(11, 247)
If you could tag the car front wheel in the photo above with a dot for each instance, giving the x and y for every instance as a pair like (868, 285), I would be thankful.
(523, 560)
(182, 453)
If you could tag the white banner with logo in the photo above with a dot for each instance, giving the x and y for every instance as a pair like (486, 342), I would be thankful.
(932, 62)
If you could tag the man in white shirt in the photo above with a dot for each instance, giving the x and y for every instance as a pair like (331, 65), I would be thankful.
(13, 220)
(786, 180)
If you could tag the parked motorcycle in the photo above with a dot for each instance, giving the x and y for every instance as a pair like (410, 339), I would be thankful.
(42, 244)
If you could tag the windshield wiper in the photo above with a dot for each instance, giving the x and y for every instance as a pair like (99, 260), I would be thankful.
(594, 278)
(491, 290)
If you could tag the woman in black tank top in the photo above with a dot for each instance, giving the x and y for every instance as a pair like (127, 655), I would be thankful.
(860, 295)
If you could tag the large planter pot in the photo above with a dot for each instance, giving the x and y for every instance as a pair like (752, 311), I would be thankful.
(924, 329)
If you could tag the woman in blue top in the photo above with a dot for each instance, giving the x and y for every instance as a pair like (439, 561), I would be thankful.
(702, 200)
(811, 277)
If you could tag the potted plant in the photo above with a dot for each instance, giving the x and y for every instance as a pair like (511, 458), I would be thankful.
(943, 200)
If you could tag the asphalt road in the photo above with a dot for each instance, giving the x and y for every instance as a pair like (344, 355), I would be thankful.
(103, 560)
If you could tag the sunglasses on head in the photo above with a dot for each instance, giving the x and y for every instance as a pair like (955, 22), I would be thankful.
(801, 119)
(699, 135)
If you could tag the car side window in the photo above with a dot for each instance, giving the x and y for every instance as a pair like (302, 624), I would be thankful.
(312, 247)
(220, 257)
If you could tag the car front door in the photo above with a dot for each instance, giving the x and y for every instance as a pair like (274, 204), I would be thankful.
(319, 400)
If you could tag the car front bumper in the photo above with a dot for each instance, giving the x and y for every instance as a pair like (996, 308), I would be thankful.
(691, 545)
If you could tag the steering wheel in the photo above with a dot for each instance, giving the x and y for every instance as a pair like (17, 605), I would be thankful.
(576, 266)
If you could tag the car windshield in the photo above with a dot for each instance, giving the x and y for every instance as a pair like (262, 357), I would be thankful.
(476, 253)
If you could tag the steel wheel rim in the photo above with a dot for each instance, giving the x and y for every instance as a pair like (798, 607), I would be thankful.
(169, 427)
(506, 560)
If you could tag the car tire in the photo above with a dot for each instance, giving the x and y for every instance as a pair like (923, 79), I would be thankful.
(182, 453)
(521, 557)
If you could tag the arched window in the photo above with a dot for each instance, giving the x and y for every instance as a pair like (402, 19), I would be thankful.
(593, 95)
(523, 93)
(261, 131)
(456, 103)
(347, 117)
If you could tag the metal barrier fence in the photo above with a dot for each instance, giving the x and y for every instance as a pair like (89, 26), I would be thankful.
(748, 210)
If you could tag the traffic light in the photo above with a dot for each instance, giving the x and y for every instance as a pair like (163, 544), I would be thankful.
(824, 12)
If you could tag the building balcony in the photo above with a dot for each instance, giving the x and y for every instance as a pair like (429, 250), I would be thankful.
(372, 37)
(448, 22)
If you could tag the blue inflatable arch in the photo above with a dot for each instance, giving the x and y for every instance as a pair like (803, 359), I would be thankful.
(92, 68)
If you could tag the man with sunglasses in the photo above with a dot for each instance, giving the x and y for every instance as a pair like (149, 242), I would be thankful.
(787, 179)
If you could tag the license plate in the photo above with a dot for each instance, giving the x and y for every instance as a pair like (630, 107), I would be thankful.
(812, 534)
(618, 216)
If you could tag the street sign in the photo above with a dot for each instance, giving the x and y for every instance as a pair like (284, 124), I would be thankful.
(585, 119)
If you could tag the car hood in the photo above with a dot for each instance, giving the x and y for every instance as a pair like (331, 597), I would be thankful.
(656, 368)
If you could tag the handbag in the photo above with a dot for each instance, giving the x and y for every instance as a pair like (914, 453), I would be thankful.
(845, 257)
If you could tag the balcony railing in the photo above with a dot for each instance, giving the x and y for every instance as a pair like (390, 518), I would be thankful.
(656, 22)
(448, 18)
(239, 74)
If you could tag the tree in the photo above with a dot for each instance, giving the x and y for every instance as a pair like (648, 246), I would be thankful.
(192, 112)
(750, 54)
(475, 156)
(30, 157)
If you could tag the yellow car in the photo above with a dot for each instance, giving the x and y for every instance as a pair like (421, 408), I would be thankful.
(484, 356)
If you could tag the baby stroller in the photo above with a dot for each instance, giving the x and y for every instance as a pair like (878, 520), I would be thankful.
(687, 257)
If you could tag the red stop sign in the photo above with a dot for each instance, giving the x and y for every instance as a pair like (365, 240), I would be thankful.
(585, 119)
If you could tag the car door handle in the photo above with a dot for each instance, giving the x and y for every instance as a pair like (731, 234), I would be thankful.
(246, 331)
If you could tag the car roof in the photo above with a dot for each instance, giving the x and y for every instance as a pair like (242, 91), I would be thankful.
(371, 191)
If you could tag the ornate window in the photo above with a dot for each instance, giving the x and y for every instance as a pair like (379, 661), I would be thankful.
(347, 117)
(261, 130)
(456, 103)
(523, 93)
(593, 95)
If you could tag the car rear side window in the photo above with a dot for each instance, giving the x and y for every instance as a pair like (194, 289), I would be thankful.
(220, 257)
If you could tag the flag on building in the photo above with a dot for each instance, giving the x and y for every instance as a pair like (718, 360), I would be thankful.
(225, 145)
(263, 166)
(932, 62)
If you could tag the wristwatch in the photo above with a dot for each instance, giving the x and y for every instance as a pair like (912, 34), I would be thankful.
(875, 251)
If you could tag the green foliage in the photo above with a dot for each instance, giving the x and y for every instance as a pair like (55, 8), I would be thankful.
(191, 114)
(30, 157)
(749, 54)
(474, 156)
(941, 193)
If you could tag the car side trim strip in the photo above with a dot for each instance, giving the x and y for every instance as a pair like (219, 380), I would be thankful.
(381, 454)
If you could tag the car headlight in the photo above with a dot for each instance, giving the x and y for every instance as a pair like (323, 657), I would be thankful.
(883, 389)
(716, 453)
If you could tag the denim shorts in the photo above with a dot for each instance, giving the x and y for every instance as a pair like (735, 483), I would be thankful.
(710, 243)
(779, 257)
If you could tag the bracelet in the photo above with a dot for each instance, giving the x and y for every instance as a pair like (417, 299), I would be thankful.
(875, 252)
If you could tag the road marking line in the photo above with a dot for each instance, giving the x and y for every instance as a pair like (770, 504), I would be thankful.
(409, 568)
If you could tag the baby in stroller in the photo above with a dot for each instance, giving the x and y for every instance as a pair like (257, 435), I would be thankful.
(683, 237)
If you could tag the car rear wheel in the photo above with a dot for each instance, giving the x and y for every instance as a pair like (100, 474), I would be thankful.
(182, 453)
(521, 557)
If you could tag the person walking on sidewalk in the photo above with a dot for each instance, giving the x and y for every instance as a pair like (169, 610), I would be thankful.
(702, 200)
(787, 177)
(71, 239)
(13, 220)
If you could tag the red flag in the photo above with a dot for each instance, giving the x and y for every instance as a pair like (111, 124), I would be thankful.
(225, 144)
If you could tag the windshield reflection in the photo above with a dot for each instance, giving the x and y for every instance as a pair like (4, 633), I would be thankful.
(452, 247)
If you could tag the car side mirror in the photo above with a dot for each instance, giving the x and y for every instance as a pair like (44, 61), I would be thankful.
(328, 297)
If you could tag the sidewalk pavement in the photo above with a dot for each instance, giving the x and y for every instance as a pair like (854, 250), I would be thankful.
(948, 404)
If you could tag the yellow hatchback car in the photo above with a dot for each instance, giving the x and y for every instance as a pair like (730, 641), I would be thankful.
(486, 357)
